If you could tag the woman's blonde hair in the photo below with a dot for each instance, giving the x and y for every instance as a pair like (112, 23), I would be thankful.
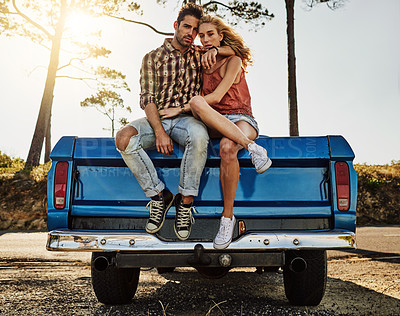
(230, 38)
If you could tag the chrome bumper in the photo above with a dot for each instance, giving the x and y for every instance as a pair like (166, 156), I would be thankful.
(136, 242)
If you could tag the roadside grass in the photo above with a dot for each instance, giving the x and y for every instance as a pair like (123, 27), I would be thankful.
(378, 200)
(14, 168)
(23, 202)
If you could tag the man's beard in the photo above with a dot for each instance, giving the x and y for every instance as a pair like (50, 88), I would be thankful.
(183, 43)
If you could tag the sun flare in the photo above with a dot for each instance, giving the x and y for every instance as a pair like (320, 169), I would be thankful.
(81, 26)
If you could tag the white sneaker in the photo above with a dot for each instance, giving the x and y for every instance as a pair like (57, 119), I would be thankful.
(259, 157)
(225, 232)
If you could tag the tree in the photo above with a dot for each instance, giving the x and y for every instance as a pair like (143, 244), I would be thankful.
(292, 85)
(107, 100)
(45, 23)
(291, 56)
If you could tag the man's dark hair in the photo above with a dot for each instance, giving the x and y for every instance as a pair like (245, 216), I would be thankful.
(190, 9)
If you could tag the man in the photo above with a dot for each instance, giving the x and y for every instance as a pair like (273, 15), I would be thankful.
(170, 77)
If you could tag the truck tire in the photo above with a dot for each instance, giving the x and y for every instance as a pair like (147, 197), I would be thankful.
(213, 272)
(113, 285)
(304, 276)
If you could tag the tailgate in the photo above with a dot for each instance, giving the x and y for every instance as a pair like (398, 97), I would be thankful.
(295, 186)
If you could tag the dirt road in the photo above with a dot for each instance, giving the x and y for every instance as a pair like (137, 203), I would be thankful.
(34, 283)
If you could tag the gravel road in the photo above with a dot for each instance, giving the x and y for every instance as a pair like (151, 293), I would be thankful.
(355, 287)
(34, 285)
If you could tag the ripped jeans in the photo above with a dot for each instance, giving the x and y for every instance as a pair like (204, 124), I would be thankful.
(184, 129)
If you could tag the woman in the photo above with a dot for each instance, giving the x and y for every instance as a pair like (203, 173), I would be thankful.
(226, 110)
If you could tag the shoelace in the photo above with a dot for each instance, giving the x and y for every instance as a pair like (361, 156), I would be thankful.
(223, 231)
(156, 209)
(256, 157)
(185, 216)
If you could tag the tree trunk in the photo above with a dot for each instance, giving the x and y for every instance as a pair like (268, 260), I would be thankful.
(47, 99)
(47, 148)
(292, 90)
(112, 122)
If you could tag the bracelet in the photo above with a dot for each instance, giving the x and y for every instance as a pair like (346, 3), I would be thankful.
(216, 48)
(182, 108)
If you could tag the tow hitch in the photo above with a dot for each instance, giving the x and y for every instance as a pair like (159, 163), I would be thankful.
(199, 258)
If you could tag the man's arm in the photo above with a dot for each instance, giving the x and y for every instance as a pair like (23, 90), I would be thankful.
(225, 51)
(164, 143)
(147, 103)
(209, 58)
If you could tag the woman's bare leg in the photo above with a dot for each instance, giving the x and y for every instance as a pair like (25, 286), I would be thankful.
(229, 173)
(202, 110)
(230, 170)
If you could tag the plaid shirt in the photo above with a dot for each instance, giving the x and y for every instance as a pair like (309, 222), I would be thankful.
(169, 78)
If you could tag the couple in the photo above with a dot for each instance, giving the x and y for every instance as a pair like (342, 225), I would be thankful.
(183, 92)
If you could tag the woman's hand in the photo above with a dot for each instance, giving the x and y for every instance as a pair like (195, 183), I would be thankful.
(170, 112)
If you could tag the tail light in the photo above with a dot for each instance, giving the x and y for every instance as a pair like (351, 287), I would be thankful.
(342, 186)
(60, 184)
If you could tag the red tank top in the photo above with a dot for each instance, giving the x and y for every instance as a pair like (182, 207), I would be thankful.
(236, 100)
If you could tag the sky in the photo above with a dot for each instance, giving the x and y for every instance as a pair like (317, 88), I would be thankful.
(348, 77)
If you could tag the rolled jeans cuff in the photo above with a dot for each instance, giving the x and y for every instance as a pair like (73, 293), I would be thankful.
(186, 192)
(153, 192)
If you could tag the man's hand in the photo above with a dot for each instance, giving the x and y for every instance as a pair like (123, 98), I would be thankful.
(209, 58)
(170, 112)
(199, 48)
(164, 143)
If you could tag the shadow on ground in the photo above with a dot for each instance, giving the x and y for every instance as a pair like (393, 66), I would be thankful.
(247, 293)
(66, 289)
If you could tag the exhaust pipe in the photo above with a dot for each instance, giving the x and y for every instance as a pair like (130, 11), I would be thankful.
(298, 265)
(101, 263)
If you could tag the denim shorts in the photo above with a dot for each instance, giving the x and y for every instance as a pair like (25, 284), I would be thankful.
(242, 117)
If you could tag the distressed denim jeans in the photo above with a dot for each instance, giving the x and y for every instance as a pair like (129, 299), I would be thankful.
(187, 132)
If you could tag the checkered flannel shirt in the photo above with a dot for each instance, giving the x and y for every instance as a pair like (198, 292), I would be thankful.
(169, 78)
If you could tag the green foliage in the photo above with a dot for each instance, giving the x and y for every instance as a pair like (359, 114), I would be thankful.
(6, 162)
(102, 99)
(378, 200)
(123, 121)
(237, 11)
(332, 4)
(15, 168)
(111, 78)
(39, 173)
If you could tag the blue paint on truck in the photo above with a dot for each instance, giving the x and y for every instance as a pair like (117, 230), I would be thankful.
(294, 208)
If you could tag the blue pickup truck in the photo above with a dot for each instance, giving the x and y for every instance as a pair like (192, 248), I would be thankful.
(286, 217)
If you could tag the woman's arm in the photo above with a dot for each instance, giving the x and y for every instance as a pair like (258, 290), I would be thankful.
(232, 70)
